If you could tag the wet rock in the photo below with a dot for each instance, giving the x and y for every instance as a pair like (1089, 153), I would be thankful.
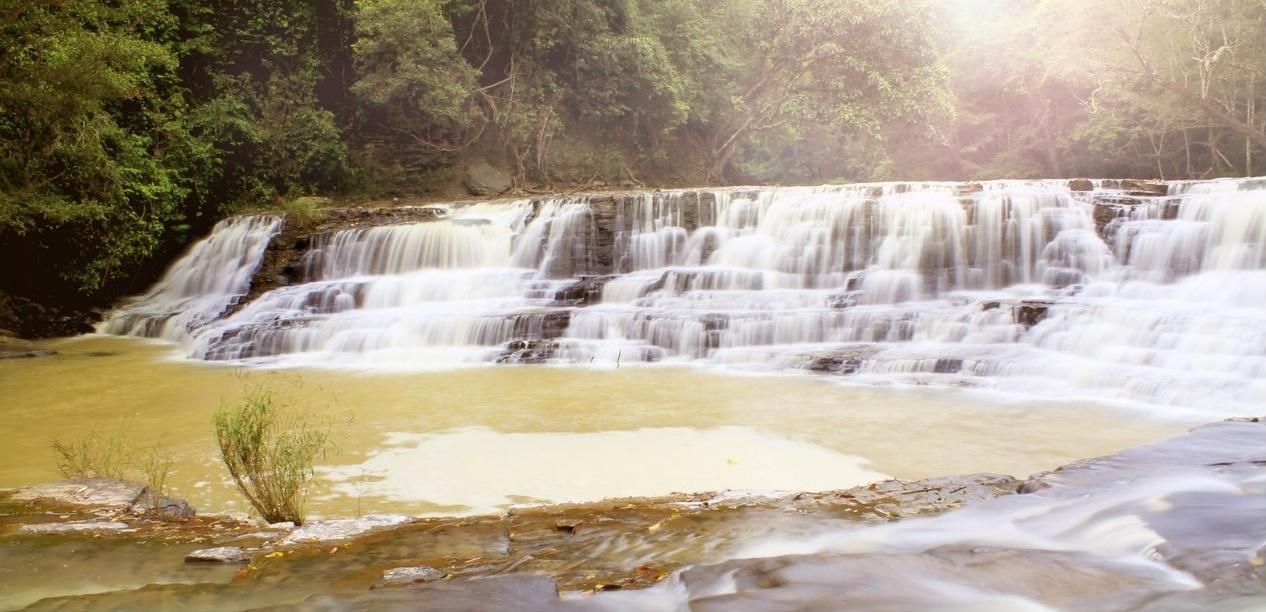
(585, 292)
(92, 526)
(223, 554)
(1031, 312)
(481, 179)
(90, 492)
(902, 498)
(956, 578)
(1110, 208)
(842, 301)
(164, 507)
(1144, 188)
(341, 529)
(523, 593)
(529, 352)
(546, 325)
(847, 360)
(1081, 185)
(1033, 484)
(968, 188)
(409, 575)
(16, 348)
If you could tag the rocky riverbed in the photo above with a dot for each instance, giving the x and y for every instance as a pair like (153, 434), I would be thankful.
(99, 544)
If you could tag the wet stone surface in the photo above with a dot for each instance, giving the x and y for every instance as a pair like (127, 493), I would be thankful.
(967, 542)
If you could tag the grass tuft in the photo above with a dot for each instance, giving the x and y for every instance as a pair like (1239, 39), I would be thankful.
(114, 456)
(94, 456)
(305, 212)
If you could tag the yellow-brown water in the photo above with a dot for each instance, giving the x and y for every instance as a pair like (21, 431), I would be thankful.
(479, 439)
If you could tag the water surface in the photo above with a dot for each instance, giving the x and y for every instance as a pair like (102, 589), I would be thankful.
(480, 439)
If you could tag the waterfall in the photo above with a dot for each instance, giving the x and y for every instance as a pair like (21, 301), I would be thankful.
(201, 285)
(1149, 298)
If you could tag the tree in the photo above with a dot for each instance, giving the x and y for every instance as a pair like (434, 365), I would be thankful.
(807, 65)
(410, 77)
(93, 156)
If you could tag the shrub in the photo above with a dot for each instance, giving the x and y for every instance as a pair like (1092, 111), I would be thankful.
(304, 212)
(270, 452)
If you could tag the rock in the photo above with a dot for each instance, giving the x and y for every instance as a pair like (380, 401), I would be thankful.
(223, 554)
(16, 348)
(528, 352)
(409, 575)
(968, 188)
(75, 527)
(481, 179)
(523, 593)
(1144, 188)
(341, 529)
(1080, 185)
(91, 492)
(585, 292)
(165, 507)
(845, 360)
(898, 498)
(1031, 312)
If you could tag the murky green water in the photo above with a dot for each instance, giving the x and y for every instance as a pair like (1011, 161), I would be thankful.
(479, 439)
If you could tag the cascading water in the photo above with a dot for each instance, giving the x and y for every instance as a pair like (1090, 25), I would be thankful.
(201, 285)
(1019, 286)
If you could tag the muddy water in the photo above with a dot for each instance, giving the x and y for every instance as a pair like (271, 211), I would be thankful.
(479, 439)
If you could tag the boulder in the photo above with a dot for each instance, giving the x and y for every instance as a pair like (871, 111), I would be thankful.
(481, 179)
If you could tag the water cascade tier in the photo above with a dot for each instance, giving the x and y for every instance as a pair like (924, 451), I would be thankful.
(1150, 294)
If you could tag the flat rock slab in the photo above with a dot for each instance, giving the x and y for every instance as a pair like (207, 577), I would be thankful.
(91, 492)
(409, 575)
(342, 529)
(223, 554)
(76, 527)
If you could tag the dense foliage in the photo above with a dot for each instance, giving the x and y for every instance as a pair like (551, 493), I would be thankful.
(127, 127)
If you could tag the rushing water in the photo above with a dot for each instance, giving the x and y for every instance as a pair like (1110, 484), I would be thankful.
(1156, 301)
(1175, 526)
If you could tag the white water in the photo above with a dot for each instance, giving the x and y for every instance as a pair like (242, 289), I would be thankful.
(201, 285)
(1175, 525)
(1011, 287)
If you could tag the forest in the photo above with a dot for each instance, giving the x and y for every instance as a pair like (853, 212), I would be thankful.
(129, 127)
